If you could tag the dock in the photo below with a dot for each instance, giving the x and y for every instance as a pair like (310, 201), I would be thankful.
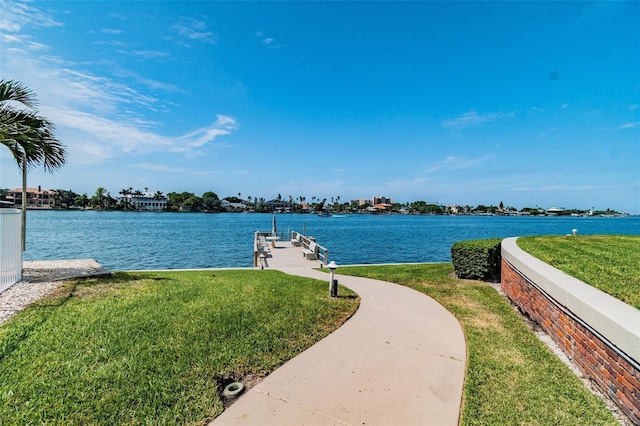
(287, 249)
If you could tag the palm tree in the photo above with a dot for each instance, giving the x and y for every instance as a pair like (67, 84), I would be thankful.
(98, 200)
(29, 137)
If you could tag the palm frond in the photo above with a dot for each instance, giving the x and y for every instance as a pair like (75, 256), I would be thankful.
(29, 137)
(11, 90)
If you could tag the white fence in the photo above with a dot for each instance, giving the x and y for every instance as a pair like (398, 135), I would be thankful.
(10, 248)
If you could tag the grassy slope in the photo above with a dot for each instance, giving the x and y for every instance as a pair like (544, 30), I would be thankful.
(609, 263)
(512, 378)
(148, 348)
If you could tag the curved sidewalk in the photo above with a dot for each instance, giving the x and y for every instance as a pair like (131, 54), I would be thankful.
(399, 360)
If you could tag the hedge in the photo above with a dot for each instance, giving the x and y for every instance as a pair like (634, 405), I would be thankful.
(477, 259)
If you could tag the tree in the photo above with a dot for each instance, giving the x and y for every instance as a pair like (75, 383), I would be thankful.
(210, 194)
(211, 204)
(82, 200)
(99, 199)
(29, 137)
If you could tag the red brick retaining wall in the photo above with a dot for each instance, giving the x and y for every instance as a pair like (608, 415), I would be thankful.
(616, 373)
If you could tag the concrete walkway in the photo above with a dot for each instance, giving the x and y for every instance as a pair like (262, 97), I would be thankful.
(399, 360)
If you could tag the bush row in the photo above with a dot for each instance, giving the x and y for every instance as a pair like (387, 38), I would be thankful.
(477, 259)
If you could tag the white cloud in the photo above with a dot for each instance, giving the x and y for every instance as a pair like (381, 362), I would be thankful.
(194, 30)
(100, 117)
(270, 42)
(223, 126)
(15, 16)
(111, 31)
(472, 119)
(146, 54)
(455, 163)
(629, 125)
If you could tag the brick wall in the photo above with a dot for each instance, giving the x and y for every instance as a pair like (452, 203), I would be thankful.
(615, 373)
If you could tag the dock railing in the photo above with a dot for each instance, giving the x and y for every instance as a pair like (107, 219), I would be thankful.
(10, 248)
(305, 240)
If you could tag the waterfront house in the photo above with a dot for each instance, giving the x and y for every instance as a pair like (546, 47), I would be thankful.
(148, 201)
(232, 207)
(279, 206)
(37, 198)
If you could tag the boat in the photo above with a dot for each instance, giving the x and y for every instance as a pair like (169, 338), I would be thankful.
(324, 213)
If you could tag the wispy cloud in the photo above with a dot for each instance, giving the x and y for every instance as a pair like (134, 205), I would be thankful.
(15, 16)
(223, 126)
(455, 163)
(473, 119)
(110, 31)
(146, 55)
(270, 42)
(101, 117)
(132, 136)
(194, 29)
(112, 43)
(629, 125)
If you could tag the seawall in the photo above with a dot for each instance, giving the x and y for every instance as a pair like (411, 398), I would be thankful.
(598, 332)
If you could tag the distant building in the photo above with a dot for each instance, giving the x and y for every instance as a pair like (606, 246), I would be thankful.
(554, 211)
(279, 206)
(361, 202)
(381, 200)
(148, 201)
(229, 206)
(37, 198)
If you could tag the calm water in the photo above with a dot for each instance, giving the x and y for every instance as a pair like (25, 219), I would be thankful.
(129, 240)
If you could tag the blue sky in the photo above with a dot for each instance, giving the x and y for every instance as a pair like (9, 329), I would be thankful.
(528, 103)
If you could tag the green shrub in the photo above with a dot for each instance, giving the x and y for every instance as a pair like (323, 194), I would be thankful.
(477, 259)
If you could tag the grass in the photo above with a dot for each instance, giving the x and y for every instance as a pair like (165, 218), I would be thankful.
(149, 348)
(609, 263)
(512, 378)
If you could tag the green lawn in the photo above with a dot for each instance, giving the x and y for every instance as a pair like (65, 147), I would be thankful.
(512, 378)
(610, 263)
(148, 348)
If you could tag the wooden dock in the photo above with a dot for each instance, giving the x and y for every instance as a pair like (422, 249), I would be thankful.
(282, 253)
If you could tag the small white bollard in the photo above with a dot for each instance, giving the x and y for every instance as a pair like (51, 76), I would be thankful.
(333, 288)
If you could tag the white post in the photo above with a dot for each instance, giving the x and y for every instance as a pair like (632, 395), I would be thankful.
(333, 288)
(24, 202)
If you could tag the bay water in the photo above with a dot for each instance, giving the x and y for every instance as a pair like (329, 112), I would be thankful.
(144, 240)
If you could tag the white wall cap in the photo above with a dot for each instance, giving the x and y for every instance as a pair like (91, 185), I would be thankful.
(617, 321)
